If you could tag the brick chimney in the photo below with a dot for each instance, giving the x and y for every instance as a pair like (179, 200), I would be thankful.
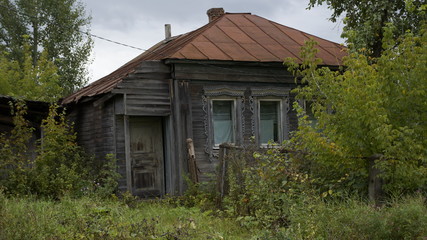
(215, 13)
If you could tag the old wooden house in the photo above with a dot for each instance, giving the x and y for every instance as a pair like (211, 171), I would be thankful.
(223, 82)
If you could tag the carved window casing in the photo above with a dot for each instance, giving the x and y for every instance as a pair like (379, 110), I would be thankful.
(223, 98)
(270, 118)
(269, 107)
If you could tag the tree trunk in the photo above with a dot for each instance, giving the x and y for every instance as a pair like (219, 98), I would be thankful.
(35, 42)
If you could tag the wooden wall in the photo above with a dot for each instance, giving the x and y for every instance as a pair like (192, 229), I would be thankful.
(145, 92)
(95, 127)
(100, 121)
(174, 91)
(194, 77)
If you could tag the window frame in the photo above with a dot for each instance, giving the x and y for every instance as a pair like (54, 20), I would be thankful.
(227, 93)
(308, 109)
(270, 93)
(280, 122)
(233, 119)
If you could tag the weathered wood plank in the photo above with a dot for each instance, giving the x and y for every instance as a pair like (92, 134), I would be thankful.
(150, 75)
(233, 78)
(162, 92)
(153, 66)
(127, 154)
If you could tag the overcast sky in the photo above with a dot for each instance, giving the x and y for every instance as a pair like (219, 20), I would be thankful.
(140, 23)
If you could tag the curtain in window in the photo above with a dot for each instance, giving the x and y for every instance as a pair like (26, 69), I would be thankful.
(222, 121)
(269, 121)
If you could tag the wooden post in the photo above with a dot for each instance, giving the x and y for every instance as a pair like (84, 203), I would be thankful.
(192, 166)
(375, 187)
(222, 181)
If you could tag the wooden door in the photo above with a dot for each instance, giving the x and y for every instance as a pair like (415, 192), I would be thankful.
(146, 153)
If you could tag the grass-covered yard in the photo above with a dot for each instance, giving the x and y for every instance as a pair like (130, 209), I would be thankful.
(90, 218)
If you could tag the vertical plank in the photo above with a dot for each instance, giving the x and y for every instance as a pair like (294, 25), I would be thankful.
(127, 153)
(168, 155)
(179, 138)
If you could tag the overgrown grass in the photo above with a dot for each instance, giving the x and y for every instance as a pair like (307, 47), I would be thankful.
(90, 218)
(405, 218)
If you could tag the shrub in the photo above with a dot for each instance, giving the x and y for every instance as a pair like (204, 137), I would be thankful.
(60, 168)
(106, 181)
(263, 187)
(14, 156)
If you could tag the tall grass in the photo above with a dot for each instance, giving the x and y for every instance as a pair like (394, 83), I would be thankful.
(405, 218)
(91, 218)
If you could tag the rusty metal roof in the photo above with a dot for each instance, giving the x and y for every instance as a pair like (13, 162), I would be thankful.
(231, 37)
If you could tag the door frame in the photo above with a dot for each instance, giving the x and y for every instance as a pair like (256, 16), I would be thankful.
(165, 178)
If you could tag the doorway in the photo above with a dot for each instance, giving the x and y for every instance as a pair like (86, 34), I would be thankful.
(147, 156)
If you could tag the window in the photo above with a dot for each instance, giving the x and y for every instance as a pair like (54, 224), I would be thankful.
(308, 107)
(269, 121)
(270, 107)
(223, 108)
(223, 121)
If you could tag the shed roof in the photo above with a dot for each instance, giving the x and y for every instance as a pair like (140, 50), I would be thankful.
(241, 37)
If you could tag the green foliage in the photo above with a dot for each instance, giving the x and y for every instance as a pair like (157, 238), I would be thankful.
(55, 27)
(353, 219)
(60, 167)
(106, 181)
(29, 81)
(60, 164)
(264, 187)
(92, 218)
(14, 152)
(368, 109)
(364, 20)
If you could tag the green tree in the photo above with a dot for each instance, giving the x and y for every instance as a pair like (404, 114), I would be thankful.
(369, 109)
(57, 26)
(28, 81)
(365, 20)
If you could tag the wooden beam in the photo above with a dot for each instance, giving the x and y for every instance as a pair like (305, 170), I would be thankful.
(127, 148)
(192, 166)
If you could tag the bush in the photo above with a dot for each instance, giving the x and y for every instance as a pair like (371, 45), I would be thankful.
(263, 187)
(14, 156)
(106, 181)
(60, 168)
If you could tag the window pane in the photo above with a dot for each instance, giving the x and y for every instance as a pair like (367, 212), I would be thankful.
(310, 113)
(269, 116)
(222, 121)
